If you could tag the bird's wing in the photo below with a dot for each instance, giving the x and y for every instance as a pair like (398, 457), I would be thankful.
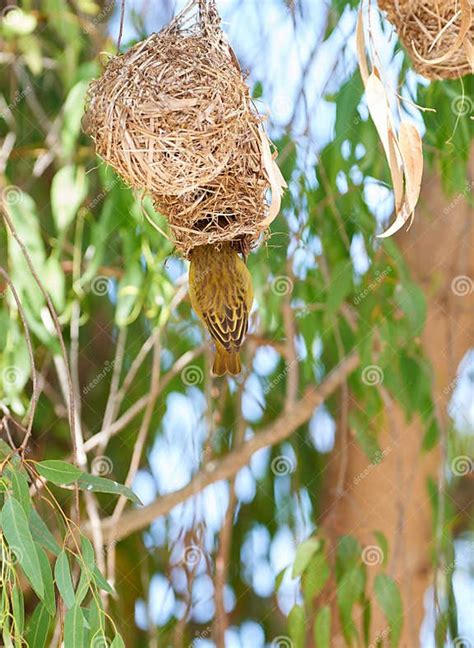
(228, 325)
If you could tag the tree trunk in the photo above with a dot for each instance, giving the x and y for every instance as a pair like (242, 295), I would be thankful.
(392, 496)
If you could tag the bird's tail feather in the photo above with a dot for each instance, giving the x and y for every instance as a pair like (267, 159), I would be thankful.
(225, 362)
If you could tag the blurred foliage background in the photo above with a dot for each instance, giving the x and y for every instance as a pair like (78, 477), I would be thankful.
(353, 525)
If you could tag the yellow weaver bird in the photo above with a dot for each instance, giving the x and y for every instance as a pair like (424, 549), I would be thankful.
(221, 292)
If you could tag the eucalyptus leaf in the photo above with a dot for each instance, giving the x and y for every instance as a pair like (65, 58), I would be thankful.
(74, 628)
(304, 553)
(20, 541)
(322, 628)
(49, 598)
(102, 485)
(68, 190)
(62, 575)
(389, 599)
(42, 534)
(38, 627)
(59, 472)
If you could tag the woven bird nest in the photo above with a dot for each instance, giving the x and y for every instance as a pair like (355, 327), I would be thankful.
(174, 117)
(438, 34)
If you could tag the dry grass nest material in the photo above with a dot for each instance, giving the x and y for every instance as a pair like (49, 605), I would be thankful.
(174, 116)
(438, 34)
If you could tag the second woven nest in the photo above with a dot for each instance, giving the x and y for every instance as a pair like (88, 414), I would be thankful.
(438, 34)
(174, 117)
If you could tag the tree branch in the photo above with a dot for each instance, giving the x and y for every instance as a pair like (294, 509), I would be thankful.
(216, 471)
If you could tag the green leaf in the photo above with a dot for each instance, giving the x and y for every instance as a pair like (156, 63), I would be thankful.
(25, 219)
(100, 581)
(129, 299)
(322, 628)
(83, 585)
(68, 190)
(340, 286)
(7, 634)
(73, 111)
(347, 117)
(315, 577)
(17, 22)
(102, 485)
(304, 553)
(49, 598)
(6, 451)
(59, 472)
(431, 436)
(95, 619)
(383, 544)
(296, 626)
(42, 534)
(349, 591)
(20, 541)
(18, 608)
(62, 575)
(348, 555)
(88, 554)
(411, 300)
(38, 628)
(20, 488)
(389, 599)
(74, 627)
(279, 578)
(117, 642)
(55, 282)
(366, 619)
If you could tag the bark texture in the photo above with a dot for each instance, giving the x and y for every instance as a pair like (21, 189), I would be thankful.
(392, 496)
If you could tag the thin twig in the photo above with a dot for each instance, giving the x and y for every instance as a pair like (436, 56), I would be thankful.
(137, 450)
(215, 471)
(35, 395)
(225, 538)
(57, 326)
